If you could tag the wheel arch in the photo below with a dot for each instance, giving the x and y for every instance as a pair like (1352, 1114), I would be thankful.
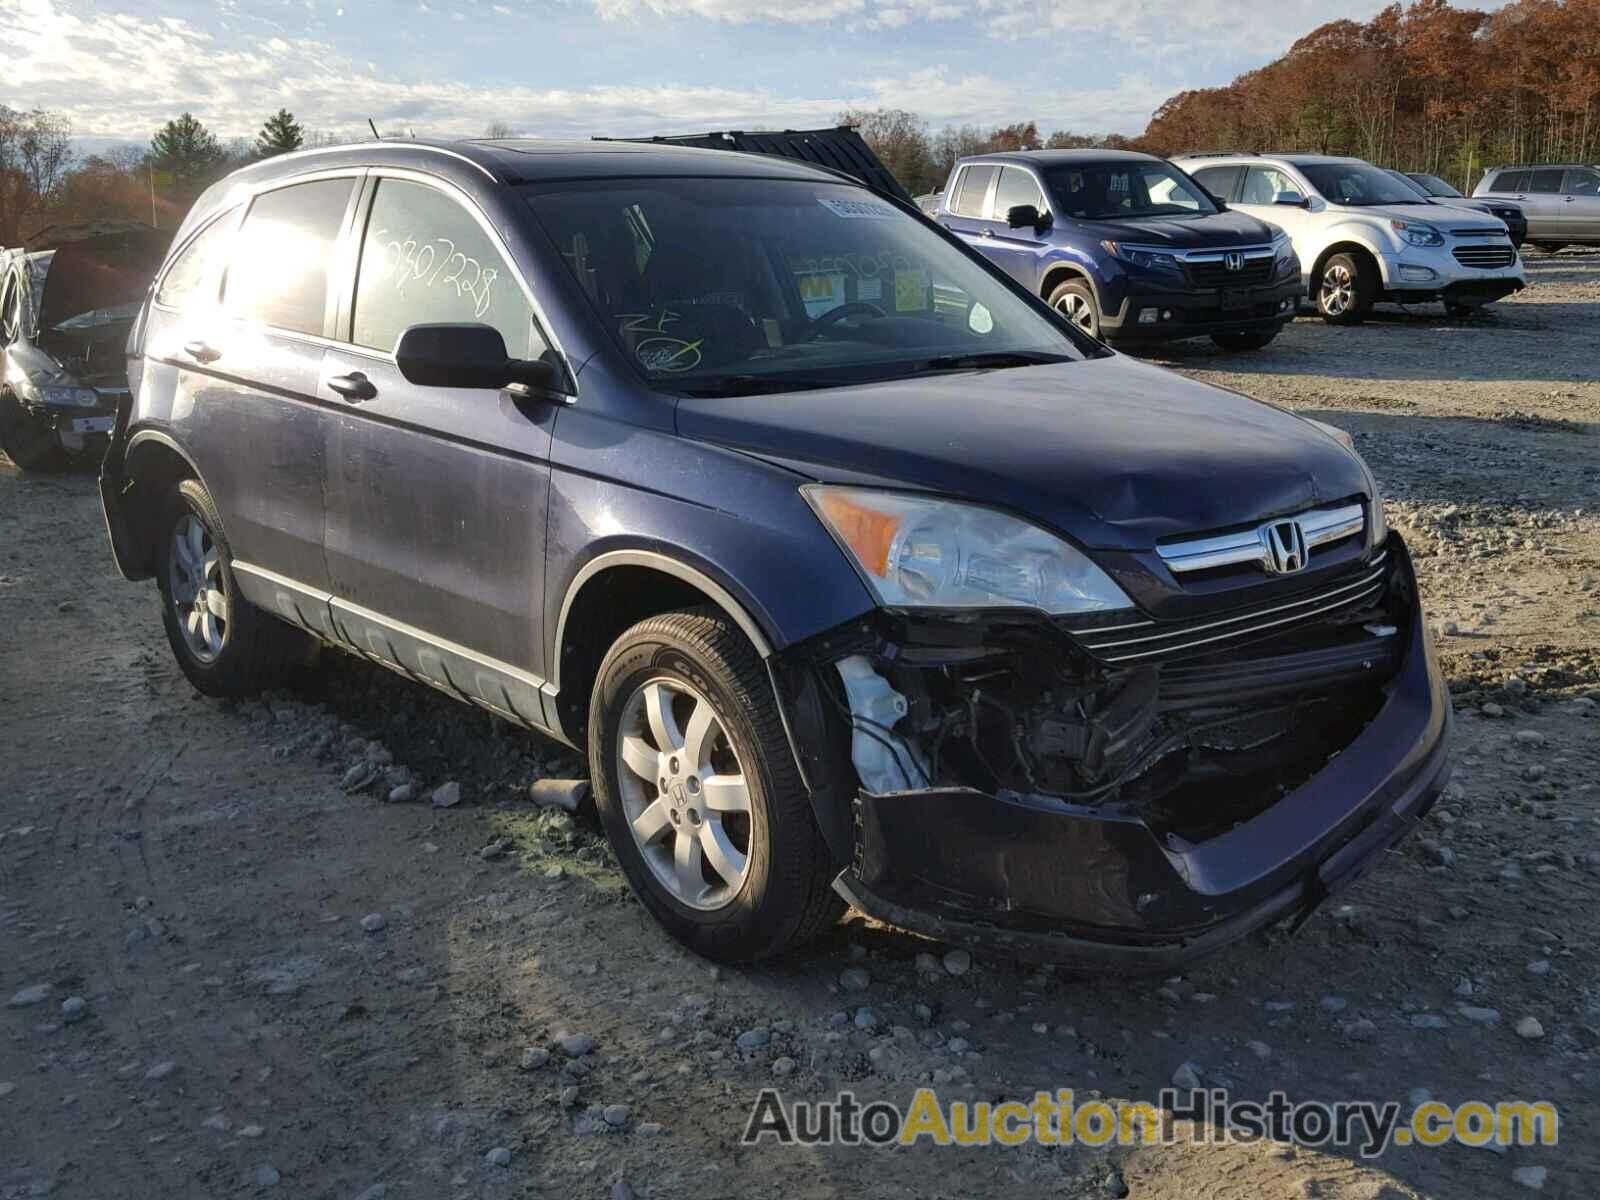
(1058, 273)
(1346, 245)
(152, 464)
(611, 593)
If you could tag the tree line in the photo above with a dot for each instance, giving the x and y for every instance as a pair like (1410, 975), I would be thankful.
(1426, 87)
(43, 182)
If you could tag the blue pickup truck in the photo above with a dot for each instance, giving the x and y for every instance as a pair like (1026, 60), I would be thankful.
(1125, 245)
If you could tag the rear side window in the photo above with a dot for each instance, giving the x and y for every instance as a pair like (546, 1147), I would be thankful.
(186, 279)
(1016, 187)
(425, 260)
(10, 310)
(969, 200)
(1510, 181)
(1218, 181)
(1547, 180)
(1583, 183)
(278, 273)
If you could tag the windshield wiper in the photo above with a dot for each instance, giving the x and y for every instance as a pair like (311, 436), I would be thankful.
(750, 385)
(991, 359)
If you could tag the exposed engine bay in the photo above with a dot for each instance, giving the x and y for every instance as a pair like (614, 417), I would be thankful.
(1192, 745)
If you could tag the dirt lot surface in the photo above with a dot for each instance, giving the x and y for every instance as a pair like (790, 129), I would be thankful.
(230, 965)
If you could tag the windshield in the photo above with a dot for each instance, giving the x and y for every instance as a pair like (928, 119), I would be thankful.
(1359, 184)
(1411, 185)
(1125, 191)
(759, 285)
(1435, 186)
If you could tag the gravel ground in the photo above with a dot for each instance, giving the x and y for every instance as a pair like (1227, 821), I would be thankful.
(236, 958)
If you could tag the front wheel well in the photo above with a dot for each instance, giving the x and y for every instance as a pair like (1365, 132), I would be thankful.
(606, 606)
(150, 472)
(1057, 275)
(1356, 250)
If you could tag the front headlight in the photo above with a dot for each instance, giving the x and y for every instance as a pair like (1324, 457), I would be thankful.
(1285, 261)
(1377, 523)
(1140, 256)
(69, 397)
(1417, 234)
(924, 552)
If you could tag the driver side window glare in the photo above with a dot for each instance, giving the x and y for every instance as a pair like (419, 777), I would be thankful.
(182, 286)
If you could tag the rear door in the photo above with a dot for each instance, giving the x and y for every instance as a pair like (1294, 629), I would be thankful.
(1580, 204)
(437, 496)
(243, 397)
(967, 208)
(1542, 202)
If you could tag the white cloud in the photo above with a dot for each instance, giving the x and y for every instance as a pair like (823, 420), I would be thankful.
(146, 71)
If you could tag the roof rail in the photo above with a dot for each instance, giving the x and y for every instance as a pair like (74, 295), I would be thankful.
(1216, 154)
(1533, 166)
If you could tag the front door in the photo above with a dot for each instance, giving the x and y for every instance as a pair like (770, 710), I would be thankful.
(1017, 251)
(435, 533)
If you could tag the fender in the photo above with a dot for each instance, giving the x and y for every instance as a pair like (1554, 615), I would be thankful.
(121, 525)
(1355, 231)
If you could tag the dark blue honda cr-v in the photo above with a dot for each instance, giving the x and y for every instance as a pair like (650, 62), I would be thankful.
(1125, 245)
(859, 572)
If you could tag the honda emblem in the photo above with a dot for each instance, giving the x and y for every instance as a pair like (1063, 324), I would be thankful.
(1233, 260)
(1285, 543)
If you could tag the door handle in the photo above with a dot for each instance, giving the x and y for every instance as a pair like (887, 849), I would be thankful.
(354, 387)
(201, 352)
(1570, 199)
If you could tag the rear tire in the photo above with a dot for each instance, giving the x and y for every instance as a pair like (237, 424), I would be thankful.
(224, 644)
(1075, 300)
(1235, 342)
(736, 870)
(28, 443)
(1347, 289)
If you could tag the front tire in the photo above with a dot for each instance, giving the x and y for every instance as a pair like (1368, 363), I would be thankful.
(27, 441)
(698, 790)
(225, 645)
(1075, 300)
(1347, 289)
(1251, 340)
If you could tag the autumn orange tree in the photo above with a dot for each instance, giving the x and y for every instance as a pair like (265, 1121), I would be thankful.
(1421, 87)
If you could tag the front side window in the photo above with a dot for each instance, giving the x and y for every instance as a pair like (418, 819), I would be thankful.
(757, 285)
(1124, 191)
(278, 271)
(425, 260)
(1262, 185)
(974, 191)
(1583, 183)
(1357, 184)
(185, 282)
(1547, 180)
(1016, 187)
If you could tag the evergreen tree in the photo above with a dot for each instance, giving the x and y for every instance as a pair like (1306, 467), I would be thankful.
(281, 134)
(186, 148)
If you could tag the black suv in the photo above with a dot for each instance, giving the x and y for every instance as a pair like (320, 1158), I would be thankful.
(859, 573)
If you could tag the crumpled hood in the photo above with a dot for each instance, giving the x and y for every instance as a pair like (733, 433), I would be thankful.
(1113, 452)
(1199, 232)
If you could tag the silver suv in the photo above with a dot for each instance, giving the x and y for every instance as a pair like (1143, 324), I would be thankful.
(1561, 200)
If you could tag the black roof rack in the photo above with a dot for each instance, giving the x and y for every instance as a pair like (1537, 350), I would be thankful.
(840, 149)
(1534, 166)
(1216, 154)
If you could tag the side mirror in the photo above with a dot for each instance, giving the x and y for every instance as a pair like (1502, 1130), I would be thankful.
(464, 356)
(1020, 215)
(1294, 199)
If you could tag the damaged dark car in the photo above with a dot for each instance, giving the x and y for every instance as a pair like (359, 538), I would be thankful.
(68, 298)
(860, 574)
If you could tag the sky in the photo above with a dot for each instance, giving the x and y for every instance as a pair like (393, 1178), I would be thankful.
(572, 68)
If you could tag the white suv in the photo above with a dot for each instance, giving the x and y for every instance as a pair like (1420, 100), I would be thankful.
(1362, 236)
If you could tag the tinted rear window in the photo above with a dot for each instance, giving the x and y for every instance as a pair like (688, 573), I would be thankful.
(1510, 181)
(1547, 180)
(974, 189)
(278, 274)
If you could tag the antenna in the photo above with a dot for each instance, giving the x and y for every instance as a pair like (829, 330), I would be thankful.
(374, 129)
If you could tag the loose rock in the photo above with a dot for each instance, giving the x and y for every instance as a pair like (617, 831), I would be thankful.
(958, 962)
(74, 1009)
(498, 1157)
(1530, 1177)
(447, 795)
(575, 1045)
(854, 979)
(1530, 1028)
(373, 922)
(36, 993)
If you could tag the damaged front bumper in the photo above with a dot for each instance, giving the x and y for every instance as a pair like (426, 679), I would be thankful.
(1048, 878)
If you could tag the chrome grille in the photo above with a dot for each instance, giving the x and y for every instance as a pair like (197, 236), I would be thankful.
(1147, 640)
(1216, 274)
(1485, 257)
(1321, 526)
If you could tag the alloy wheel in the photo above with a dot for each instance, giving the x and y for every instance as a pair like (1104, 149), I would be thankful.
(684, 793)
(1338, 290)
(197, 589)
(1077, 309)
